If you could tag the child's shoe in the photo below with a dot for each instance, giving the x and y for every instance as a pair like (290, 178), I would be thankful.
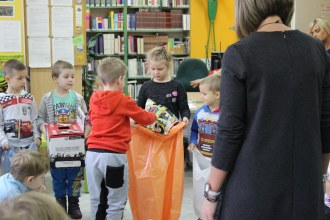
(62, 202)
(74, 209)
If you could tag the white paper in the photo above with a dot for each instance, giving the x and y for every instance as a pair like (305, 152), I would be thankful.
(78, 15)
(39, 52)
(61, 2)
(37, 21)
(36, 2)
(10, 37)
(63, 50)
(325, 7)
(62, 21)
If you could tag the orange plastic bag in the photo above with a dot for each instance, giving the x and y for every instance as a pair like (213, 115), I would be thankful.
(156, 173)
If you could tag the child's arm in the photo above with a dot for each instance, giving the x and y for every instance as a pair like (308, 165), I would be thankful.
(142, 97)
(34, 116)
(42, 115)
(193, 134)
(183, 104)
(138, 114)
(3, 138)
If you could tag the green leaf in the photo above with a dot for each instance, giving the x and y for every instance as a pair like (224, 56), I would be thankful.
(93, 40)
(212, 9)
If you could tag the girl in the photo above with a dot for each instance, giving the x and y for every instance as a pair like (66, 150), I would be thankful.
(60, 105)
(162, 89)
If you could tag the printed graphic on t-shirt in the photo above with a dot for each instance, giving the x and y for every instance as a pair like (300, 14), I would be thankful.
(18, 128)
(207, 127)
(64, 112)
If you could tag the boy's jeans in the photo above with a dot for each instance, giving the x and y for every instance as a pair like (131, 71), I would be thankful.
(7, 155)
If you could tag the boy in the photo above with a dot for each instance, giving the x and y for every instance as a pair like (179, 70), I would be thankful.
(61, 106)
(106, 161)
(18, 114)
(27, 173)
(203, 128)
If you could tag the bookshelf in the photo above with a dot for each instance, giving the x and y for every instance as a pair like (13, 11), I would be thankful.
(128, 29)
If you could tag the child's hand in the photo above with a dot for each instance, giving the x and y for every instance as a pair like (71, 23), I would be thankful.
(132, 123)
(5, 146)
(37, 141)
(186, 121)
(195, 83)
(191, 147)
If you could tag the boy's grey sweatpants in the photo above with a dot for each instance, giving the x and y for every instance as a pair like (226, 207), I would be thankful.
(107, 177)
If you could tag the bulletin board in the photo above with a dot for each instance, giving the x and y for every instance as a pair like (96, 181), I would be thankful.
(12, 34)
(55, 31)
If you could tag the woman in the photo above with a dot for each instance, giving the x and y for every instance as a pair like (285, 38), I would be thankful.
(320, 28)
(273, 131)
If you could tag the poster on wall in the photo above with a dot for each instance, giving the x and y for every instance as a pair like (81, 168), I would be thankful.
(37, 2)
(37, 21)
(39, 52)
(10, 37)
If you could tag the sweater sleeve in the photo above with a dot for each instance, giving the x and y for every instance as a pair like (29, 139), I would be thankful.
(325, 111)
(42, 113)
(142, 98)
(183, 102)
(138, 114)
(232, 118)
(194, 130)
(3, 138)
(34, 116)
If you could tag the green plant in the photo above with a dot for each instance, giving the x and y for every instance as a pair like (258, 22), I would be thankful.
(89, 76)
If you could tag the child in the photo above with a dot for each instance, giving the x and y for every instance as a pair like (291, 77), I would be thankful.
(61, 105)
(32, 206)
(203, 128)
(106, 161)
(18, 114)
(203, 132)
(27, 173)
(162, 89)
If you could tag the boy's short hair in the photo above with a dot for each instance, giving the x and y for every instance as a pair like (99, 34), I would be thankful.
(213, 81)
(58, 66)
(11, 65)
(28, 163)
(32, 206)
(110, 69)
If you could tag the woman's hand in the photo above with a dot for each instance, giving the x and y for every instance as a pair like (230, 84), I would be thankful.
(209, 210)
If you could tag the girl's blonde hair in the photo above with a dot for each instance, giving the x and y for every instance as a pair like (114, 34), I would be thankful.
(213, 81)
(59, 66)
(28, 163)
(32, 206)
(250, 14)
(160, 53)
(110, 69)
(322, 22)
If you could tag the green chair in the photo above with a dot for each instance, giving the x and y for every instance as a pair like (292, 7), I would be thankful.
(191, 69)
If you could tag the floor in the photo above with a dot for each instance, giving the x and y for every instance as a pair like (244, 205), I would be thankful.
(187, 211)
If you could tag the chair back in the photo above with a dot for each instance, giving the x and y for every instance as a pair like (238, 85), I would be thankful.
(189, 70)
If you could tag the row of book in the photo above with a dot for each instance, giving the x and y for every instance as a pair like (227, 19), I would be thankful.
(109, 44)
(149, 3)
(173, 19)
(133, 89)
(115, 21)
(114, 44)
(91, 3)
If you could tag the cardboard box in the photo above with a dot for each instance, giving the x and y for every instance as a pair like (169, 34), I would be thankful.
(66, 145)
